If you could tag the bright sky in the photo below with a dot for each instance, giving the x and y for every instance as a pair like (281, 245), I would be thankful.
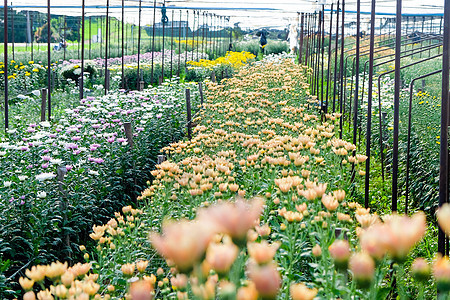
(250, 13)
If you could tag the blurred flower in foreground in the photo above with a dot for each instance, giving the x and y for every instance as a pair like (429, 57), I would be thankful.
(443, 217)
(248, 292)
(221, 256)
(266, 278)
(299, 291)
(362, 267)
(396, 236)
(141, 290)
(441, 272)
(183, 242)
(340, 252)
(420, 269)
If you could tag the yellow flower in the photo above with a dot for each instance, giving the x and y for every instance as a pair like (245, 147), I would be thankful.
(31, 62)
(27, 73)
(35, 70)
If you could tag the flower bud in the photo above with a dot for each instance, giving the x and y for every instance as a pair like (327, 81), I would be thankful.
(266, 278)
(441, 272)
(316, 251)
(141, 290)
(221, 256)
(443, 217)
(363, 269)
(29, 296)
(300, 291)
(340, 252)
(26, 283)
(141, 265)
(128, 269)
(263, 252)
(179, 282)
(420, 269)
(248, 292)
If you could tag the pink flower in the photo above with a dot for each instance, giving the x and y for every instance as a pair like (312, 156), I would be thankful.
(71, 146)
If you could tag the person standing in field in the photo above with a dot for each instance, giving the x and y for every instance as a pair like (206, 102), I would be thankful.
(262, 38)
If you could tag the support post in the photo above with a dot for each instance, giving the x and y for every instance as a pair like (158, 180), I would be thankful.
(444, 153)
(43, 103)
(128, 133)
(5, 56)
(398, 30)
(200, 89)
(369, 103)
(188, 111)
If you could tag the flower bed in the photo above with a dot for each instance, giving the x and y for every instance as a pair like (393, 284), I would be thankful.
(224, 66)
(43, 218)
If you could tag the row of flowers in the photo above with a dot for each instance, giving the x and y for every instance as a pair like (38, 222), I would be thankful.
(25, 77)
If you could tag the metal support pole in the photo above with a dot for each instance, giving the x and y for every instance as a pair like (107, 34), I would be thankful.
(32, 37)
(335, 81)
(188, 111)
(398, 29)
(186, 38)
(300, 48)
(163, 40)
(341, 71)
(139, 45)
(106, 48)
(123, 45)
(171, 44)
(444, 153)
(49, 63)
(329, 58)
(308, 32)
(203, 33)
(369, 103)
(179, 46)
(90, 37)
(193, 36)
(355, 98)
(153, 40)
(82, 50)
(5, 53)
(12, 33)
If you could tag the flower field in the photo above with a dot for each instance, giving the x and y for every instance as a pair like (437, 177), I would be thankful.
(257, 205)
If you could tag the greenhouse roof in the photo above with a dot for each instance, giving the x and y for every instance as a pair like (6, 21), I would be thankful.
(249, 13)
